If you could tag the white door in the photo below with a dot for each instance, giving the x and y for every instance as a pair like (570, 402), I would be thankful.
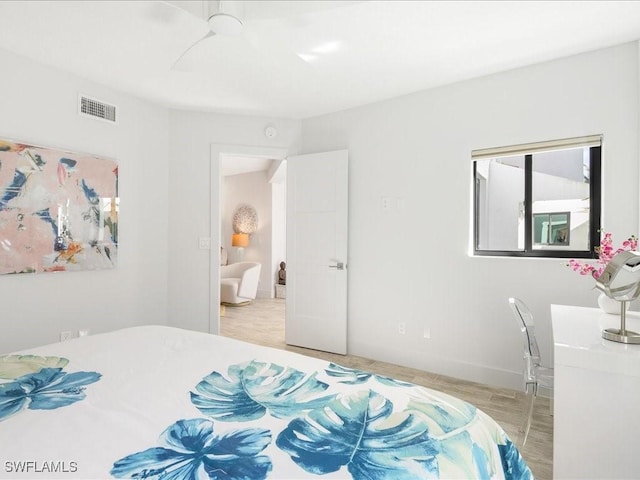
(317, 201)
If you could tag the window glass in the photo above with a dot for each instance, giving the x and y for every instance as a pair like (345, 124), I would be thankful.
(540, 202)
(551, 229)
(500, 202)
(560, 190)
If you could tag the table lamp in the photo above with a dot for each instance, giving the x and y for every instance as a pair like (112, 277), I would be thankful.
(240, 240)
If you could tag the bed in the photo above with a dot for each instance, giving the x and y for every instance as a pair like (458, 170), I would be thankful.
(166, 403)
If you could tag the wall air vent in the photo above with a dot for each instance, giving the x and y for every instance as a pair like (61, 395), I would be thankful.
(96, 109)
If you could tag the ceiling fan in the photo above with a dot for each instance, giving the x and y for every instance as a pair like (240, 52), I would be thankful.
(223, 18)
(261, 24)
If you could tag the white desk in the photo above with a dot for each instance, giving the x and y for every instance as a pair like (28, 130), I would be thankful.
(596, 423)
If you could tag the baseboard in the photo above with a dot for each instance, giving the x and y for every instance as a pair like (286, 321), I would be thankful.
(265, 294)
(440, 365)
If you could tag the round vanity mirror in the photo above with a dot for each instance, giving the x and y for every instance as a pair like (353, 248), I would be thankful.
(620, 280)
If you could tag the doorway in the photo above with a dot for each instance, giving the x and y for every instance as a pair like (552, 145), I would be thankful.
(220, 154)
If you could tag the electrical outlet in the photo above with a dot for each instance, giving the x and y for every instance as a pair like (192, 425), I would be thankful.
(402, 328)
(64, 336)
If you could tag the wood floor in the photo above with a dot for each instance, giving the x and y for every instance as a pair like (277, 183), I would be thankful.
(262, 322)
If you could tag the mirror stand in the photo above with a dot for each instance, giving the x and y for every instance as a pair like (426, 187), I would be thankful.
(621, 335)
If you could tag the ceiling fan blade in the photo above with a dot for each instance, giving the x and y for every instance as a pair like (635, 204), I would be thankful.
(272, 46)
(208, 35)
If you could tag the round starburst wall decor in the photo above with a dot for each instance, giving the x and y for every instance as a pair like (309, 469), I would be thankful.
(245, 220)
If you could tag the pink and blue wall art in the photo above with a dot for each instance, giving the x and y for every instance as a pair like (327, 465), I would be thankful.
(58, 210)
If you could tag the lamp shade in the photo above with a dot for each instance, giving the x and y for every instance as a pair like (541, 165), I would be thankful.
(240, 240)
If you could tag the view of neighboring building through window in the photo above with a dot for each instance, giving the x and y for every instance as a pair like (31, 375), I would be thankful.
(540, 199)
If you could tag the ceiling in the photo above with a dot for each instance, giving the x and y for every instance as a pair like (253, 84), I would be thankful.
(239, 164)
(299, 59)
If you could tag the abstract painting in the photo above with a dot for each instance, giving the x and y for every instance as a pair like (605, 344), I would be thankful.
(58, 210)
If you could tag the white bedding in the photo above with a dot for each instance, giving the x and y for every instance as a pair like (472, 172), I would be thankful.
(161, 402)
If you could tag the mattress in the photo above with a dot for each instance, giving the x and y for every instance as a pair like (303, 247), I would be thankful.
(166, 403)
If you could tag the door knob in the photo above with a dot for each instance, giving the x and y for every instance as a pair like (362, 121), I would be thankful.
(338, 265)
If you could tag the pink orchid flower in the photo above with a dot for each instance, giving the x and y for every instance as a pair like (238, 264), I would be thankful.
(605, 253)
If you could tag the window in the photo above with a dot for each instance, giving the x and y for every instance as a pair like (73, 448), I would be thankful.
(551, 228)
(539, 199)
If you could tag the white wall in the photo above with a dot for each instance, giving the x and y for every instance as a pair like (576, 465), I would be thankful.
(415, 148)
(411, 264)
(251, 189)
(191, 189)
(39, 105)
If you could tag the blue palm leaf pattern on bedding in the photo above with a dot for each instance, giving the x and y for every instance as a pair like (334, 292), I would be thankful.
(411, 433)
(513, 464)
(360, 431)
(353, 376)
(45, 390)
(253, 388)
(461, 427)
(14, 366)
(190, 450)
(446, 413)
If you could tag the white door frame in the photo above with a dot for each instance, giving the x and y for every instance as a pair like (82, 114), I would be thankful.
(218, 149)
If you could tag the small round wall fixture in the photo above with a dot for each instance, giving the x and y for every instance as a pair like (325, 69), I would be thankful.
(245, 220)
(270, 132)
